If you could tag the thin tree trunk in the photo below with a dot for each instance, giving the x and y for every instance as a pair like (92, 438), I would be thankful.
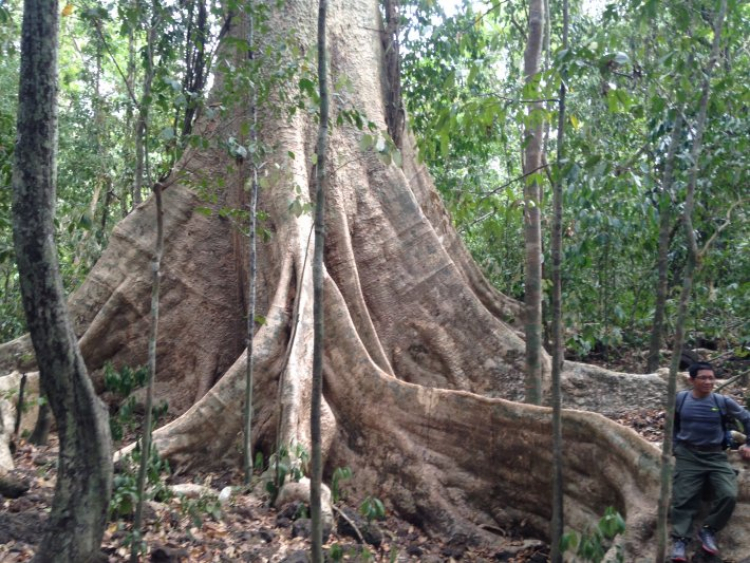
(318, 320)
(154, 328)
(533, 134)
(40, 434)
(20, 404)
(395, 116)
(130, 133)
(558, 346)
(665, 223)
(252, 267)
(84, 477)
(195, 80)
(146, 438)
(141, 126)
(693, 262)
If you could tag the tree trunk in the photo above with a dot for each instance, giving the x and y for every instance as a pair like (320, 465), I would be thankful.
(321, 187)
(558, 342)
(423, 358)
(84, 477)
(142, 171)
(252, 274)
(136, 547)
(532, 169)
(665, 224)
(40, 435)
(395, 116)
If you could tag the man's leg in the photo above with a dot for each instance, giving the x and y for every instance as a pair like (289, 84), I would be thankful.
(724, 487)
(687, 484)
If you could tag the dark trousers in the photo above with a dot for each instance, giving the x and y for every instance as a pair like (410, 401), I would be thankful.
(692, 471)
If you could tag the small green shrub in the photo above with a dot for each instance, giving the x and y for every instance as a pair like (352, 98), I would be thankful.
(372, 508)
(125, 483)
(593, 546)
(339, 475)
(122, 383)
(286, 465)
(198, 509)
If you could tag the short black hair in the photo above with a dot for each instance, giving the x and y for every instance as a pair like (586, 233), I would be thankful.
(698, 366)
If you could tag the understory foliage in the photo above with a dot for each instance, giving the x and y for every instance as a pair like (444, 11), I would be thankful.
(629, 72)
(594, 544)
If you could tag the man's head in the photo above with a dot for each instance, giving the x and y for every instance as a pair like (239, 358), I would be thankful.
(703, 377)
(697, 367)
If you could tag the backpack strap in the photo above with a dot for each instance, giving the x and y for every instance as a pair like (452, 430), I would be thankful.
(721, 404)
(679, 402)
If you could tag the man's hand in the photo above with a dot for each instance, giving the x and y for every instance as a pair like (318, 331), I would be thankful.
(745, 452)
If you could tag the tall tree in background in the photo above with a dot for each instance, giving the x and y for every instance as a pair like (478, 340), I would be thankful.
(532, 170)
(84, 477)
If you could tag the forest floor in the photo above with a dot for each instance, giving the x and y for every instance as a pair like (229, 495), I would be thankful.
(230, 525)
(242, 527)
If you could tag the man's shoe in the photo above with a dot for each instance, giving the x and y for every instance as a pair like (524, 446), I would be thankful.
(678, 550)
(708, 541)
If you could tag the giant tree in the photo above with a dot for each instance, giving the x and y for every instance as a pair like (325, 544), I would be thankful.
(84, 477)
(423, 359)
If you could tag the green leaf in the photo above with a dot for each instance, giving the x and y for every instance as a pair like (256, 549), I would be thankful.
(444, 143)
(365, 142)
(167, 134)
(473, 71)
(613, 103)
(307, 86)
(296, 207)
(385, 158)
(623, 98)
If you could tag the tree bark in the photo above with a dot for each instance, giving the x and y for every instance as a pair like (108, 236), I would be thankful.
(533, 137)
(84, 478)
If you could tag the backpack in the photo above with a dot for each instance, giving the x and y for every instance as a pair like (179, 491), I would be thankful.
(728, 422)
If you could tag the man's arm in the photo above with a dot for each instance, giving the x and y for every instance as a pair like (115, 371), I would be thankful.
(743, 416)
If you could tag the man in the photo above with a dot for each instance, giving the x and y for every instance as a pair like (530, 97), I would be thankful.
(701, 458)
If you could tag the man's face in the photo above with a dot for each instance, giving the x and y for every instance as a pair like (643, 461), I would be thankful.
(704, 382)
